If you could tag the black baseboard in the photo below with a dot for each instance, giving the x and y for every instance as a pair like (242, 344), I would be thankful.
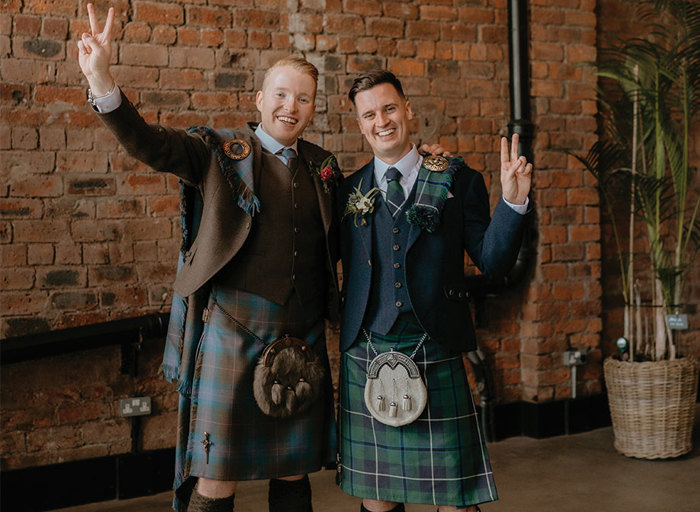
(549, 419)
(87, 481)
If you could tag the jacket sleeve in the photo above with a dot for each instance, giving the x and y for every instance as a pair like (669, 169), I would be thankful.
(162, 148)
(492, 243)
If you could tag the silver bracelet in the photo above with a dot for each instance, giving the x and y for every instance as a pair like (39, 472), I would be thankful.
(92, 98)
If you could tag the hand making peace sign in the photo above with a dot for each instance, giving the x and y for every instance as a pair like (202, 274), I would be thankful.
(516, 172)
(95, 53)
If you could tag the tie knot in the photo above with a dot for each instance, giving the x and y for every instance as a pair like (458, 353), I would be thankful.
(392, 173)
(289, 153)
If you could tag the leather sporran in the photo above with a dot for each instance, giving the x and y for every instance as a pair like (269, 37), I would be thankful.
(394, 392)
(288, 378)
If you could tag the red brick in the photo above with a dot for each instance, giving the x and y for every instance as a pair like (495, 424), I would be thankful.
(152, 12)
(437, 12)
(344, 24)
(189, 79)
(476, 15)
(164, 35)
(27, 25)
(362, 7)
(406, 67)
(387, 27)
(16, 279)
(423, 30)
(256, 18)
(136, 32)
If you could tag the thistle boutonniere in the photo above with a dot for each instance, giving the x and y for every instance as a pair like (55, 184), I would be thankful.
(360, 204)
(328, 171)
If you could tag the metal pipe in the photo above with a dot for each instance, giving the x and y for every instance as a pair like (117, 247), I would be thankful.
(115, 332)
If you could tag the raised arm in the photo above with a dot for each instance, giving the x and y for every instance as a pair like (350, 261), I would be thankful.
(95, 53)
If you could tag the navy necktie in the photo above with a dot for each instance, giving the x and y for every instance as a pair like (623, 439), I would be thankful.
(394, 191)
(291, 157)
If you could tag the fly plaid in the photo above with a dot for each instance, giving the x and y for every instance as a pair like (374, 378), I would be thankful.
(242, 443)
(439, 459)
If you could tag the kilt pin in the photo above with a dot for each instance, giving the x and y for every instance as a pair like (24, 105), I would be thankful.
(259, 242)
(402, 280)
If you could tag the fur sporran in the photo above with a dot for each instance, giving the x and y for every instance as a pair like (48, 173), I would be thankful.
(288, 378)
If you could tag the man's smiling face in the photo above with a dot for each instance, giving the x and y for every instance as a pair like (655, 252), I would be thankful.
(286, 103)
(383, 115)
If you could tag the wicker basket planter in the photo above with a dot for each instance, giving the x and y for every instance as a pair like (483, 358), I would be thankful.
(652, 405)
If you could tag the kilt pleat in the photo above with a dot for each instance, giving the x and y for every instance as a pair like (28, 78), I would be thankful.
(439, 459)
(245, 443)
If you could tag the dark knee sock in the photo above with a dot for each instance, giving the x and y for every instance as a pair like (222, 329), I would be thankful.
(398, 508)
(199, 503)
(290, 496)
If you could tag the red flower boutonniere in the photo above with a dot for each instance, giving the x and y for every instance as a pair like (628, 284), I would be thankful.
(328, 171)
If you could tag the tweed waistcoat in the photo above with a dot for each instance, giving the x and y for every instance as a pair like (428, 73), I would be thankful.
(285, 250)
(388, 294)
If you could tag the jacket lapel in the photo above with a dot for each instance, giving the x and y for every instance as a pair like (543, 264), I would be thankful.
(324, 199)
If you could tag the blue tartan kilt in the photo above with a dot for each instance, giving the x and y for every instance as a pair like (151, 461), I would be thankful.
(439, 459)
(245, 443)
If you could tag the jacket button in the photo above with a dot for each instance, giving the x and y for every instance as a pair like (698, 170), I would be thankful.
(397, 284)
(397, 265)
(296, 253)
(296, 206)
(396, 230)
(396, 247)
(399, 303)
(296, 230)
(460, 295)
(451, 292)
(295, 185)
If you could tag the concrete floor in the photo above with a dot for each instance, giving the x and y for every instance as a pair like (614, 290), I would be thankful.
(577, 473)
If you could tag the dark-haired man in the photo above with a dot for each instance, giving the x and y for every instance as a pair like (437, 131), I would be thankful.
(408, 427)
(258, 263)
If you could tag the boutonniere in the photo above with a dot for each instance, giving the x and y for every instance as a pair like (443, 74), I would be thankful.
(328, 171)
(360, 204)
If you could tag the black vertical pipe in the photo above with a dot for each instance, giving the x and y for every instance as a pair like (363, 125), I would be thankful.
(518, 38)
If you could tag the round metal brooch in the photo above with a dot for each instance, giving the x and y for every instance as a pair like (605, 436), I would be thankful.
(435, 163)
(237, 149)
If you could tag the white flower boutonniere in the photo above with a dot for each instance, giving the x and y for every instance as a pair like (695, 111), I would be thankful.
(360, 204)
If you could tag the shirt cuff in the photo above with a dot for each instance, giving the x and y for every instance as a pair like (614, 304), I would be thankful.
(519, 208)
(109, 102)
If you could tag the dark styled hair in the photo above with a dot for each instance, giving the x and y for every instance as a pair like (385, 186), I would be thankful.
(372, 79)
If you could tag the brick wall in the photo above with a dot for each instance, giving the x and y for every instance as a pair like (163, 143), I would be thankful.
(87, 234)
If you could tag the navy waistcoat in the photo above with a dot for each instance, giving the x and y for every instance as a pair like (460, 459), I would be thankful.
(388, 294)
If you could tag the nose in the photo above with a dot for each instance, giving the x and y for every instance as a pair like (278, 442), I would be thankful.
(382, 119)
(290, 104)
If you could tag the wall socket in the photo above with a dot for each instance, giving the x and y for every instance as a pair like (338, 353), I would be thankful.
(575, 357)
(138, 406)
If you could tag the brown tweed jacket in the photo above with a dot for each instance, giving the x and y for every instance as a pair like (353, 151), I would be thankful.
(224, 225)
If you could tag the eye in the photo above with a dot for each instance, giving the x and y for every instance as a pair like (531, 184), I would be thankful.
(279, 94)
(368, 116)
(303, 100)
(391, 108)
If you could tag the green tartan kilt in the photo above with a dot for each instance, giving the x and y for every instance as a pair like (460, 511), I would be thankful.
(440, 458)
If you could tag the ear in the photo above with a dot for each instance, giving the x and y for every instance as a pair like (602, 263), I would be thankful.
(258, 100)
(409, 112)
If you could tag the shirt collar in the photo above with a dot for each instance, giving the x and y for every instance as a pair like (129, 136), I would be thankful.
(271, 144)
(408, 166)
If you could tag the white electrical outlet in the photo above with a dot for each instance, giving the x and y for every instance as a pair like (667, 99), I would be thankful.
(139, 406)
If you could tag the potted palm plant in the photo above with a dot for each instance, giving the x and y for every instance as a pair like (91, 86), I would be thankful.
(649, 97)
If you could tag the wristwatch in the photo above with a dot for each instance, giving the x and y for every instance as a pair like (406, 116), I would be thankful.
(92, 98)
